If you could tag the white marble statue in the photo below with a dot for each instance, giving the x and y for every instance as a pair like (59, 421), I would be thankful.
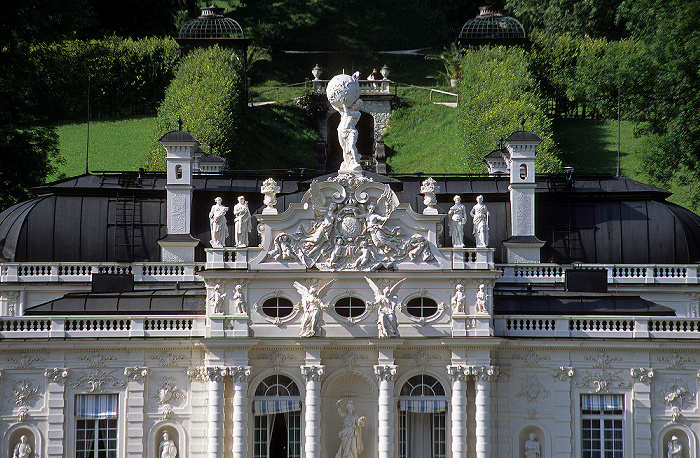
(22, 449)
(458, 300)
(481, 298)
(532, 447)
(216, 300)
(217, 224)
(312, 306)
(351, 434)
(238, 301)
(343, 93)
(457, 218)
(243, 223)
(675, 449)
(480, 219)
(386, 302)
(167, 448)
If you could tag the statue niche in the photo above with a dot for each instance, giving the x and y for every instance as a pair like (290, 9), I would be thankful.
(365, 139)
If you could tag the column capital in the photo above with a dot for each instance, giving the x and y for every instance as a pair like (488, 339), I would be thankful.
(216, 373)
(642, 374)
(484, 373)
(458, 372)
(312, 372)
(385, 372)
(562, 373)
(136, 373)
(239, 373)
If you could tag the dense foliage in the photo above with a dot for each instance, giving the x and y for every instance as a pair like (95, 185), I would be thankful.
(207, 93)
(127, 77)
(496, 92)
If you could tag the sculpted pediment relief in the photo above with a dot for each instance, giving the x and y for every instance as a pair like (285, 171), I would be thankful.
(349, 222)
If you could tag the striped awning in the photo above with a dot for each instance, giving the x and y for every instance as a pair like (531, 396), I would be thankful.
(602, 402)
(96, 406)
(267, 407)
(419, 406)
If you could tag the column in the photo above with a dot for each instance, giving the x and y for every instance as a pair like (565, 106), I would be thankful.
(458, 375)
(386, 373)
(135, 403)
(483, 376)
(240, 375)
(215, 412)
(312, 373)
(55, 392)
(641, 396)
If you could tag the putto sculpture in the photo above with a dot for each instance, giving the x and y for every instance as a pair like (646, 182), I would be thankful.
(481, 298)
(458, 299)
(480, 219)
(216, 300)
(243, 223)
(343, 93)
(238, 301)
(312, 305)
(351, 433)
(386, 302)
(217, 224)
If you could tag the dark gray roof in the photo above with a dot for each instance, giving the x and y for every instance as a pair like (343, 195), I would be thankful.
(178, 136)
(576, 304)
(149, 302)
(523, 136)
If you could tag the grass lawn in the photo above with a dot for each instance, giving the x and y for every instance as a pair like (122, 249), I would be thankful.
(114, 145)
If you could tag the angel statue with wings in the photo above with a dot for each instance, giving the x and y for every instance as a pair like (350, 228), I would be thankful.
(386, 302)
(387, 240)
(312, 305)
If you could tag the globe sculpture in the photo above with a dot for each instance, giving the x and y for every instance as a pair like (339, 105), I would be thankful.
(343, 92)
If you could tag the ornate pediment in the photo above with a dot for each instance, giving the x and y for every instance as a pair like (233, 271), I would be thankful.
(348, 222)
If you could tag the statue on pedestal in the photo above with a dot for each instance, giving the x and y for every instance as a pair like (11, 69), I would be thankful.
(481, 298)
(343, 93)
(675, 449)
(386, 302)
(243, 223)
(238, 302)
(480, 219)
(312, 305)
(167, 448)
(351, 434)
(218, 224)
(458, 299)
(216, 300)
(458, 218)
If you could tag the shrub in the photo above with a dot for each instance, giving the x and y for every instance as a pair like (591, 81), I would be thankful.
(496, 92)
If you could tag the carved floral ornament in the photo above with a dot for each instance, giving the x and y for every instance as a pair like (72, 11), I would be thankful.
(136, 373)
(312, 372)
(385, 372)
(24, 392)
(642, 374)
(56, 374)
(602, 380)
(531, 390)
(96, 380)
(676, 392)
(562, 373)
(346, 225)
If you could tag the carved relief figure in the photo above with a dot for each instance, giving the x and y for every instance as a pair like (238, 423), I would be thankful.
(481, 298)
(385, 239)
(386, 302)
(312, 306)
(480, 219)
(216, 300)
(351, 433)
(238, 302)
(458, 299)
(217, 224)
(167, 448)
(532, 447)
(243, 223)
(675, 449)
(22, 449)
(320, 236)
(458, 218)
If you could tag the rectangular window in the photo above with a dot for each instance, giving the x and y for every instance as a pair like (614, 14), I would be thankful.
(601, 425)
(422, 435)
(96, 426)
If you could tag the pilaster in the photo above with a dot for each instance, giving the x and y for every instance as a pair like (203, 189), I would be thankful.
(641, 397)
(135, 403)
(239, 376)
(55, 392)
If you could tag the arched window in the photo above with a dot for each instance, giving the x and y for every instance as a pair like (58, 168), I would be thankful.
(523, 171)
(277, 417)
(277, 307)
(178, 172)
(350, 307)
(421, 307)
(422, 418)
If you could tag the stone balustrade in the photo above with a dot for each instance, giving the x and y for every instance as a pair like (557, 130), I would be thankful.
(82, 272)
(617, 273)
(102, 327)
(609, 327)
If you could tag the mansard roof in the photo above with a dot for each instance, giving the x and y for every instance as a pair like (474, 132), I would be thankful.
(596, 219)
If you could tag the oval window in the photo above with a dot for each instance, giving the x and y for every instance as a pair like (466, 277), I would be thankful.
(277, 307)
(421, 307)
(350, 307)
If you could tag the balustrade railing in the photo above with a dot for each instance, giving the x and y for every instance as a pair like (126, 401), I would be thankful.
(617, 273)
(82, 272)
(102, 327)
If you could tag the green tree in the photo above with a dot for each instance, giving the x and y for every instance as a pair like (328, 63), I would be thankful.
(496, 92)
